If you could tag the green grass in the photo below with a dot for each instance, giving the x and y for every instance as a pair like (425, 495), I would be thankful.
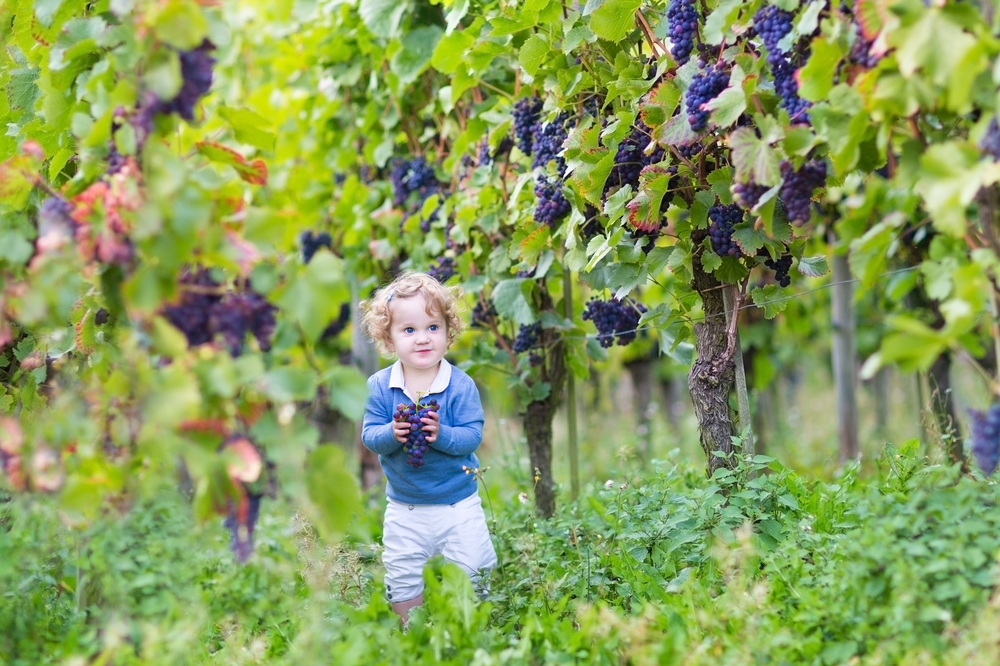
(893, 567)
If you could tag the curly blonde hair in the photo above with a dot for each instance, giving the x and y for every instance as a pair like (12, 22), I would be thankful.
(439, 300)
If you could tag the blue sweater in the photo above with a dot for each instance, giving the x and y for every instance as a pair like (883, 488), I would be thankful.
(441, 480)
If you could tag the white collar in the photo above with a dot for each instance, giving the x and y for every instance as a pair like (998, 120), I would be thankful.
(439, 384)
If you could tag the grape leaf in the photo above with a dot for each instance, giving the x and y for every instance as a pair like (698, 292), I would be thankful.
(348, 391)
(250, 127)
(770, 297)
(415, 55)
(748, 238)
(814, 266)
(382, 17)
(533, 53)
(333, 491)
(753, 158)
(816, 78)
(614, 19)
(510, 302)
(254, 172)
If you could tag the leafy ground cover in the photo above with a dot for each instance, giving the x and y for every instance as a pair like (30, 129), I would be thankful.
(756, 565)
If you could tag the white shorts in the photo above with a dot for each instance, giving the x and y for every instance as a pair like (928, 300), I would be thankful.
(413, 533)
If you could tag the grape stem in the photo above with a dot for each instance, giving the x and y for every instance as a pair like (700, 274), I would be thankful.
(739, 296)
(647, 32)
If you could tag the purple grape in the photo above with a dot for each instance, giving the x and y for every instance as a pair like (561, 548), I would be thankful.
(986, 437)
(616, 320)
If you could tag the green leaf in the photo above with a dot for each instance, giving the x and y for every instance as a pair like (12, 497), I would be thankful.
(772, 298)
(729, 105)
(180, 24)
(348, 391)
(748, 238)
(288, 384)
(614, 19)
(816, 78)
(450, 51)
(510, 302)
(814, 266)
(417, 48)
(333, 491)
(753, 158)
(382, 16)
(249, 127)
(533, 53)
(313, 297)
(719, 20)
(592, 6)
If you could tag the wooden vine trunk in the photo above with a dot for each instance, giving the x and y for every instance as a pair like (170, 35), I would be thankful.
(537, 423)
(713, 374)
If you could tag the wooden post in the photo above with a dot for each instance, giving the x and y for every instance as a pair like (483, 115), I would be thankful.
(844, 358)
(574, 454)
(742, 398)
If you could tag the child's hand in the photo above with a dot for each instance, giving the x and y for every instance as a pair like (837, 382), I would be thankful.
(431, 426)
(400, 429)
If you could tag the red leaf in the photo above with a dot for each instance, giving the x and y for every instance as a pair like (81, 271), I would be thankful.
(254, 172)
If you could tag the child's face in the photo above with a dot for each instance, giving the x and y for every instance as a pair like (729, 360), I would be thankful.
(419, 339)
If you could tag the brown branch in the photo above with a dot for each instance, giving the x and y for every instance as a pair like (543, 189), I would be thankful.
(648, 32)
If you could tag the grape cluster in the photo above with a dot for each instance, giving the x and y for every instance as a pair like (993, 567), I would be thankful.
(616, 320)
(310, 243)
(748, 194)
(442, 269)
(861, 50)
(416, 439)
(772, 25)
(527, 337)
(990, 143)
(631, 158)
(334, 328)
(552, 205)
(55, 213)
(720, 230)
(525, 113)
(788, 90)
(781, 266)
(985, 427)
(798, 186)
(705, 86)
(548, 142)
(196, 73)
(205, 311)
(682, 27)
(241, 531)
(483, 313)
(409, 176)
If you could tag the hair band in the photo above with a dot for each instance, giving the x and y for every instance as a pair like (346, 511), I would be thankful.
(391, 292)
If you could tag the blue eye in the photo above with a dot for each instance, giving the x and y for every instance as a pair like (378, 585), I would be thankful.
(434, 327)
(408, 329)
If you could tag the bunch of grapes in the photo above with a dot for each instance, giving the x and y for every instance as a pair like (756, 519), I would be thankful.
(772, 24)
(204, 311)
(527, 337)
(798, 186)
(682, 28)
(631, 158)
(548, 141)
(443, 269)
(241, 527)
(416, 439)
(990, 143)
(55, 213)
(552, 205)
(788, 90)
(720, 230)
(986, 437)
(749, 193)
(781, 266)
(525, 113)
(199, 292)
(483, 313)
(196, 72)
(334, 328)
(705, 86)
(616, 320)
(861, 50)
(409, 176)
(311, 243)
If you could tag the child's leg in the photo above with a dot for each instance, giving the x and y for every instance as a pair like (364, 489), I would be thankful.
(406, 541)
(467, 542)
